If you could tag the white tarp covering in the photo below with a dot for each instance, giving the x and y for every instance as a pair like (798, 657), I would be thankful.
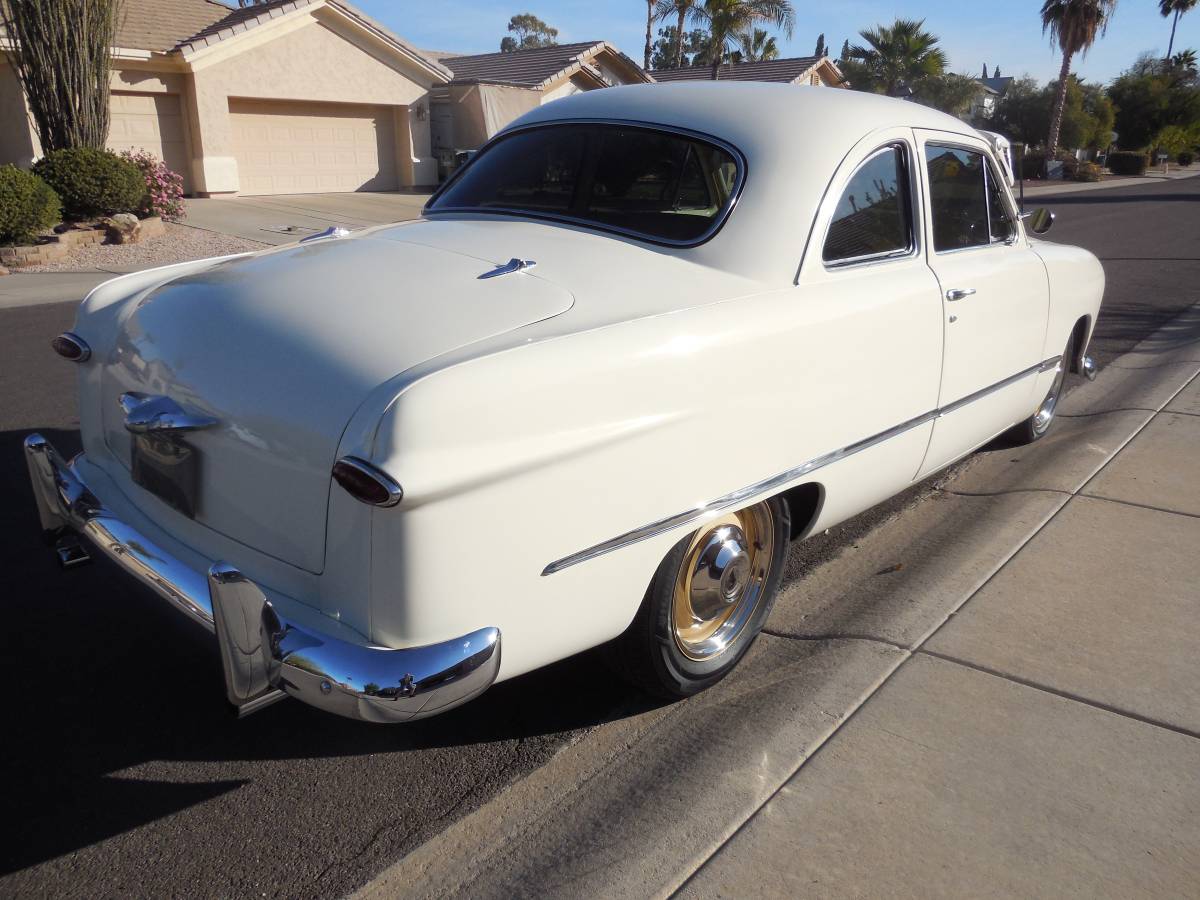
(479, 111)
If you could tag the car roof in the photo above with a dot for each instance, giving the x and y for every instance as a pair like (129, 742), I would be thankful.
(750, 114)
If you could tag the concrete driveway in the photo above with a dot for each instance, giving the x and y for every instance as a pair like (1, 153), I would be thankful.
(284, 218)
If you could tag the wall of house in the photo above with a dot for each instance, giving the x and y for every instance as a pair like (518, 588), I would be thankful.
(314, 57)
(18, 140)
(575, 85)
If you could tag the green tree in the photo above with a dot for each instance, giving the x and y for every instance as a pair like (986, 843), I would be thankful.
(1074, 26)
(1173, 9)
(894, 56)
(695, 49)
(1151, 95)
(528, 32)
(820, 49)
(756, 47)
(845, 51)
(683, 11)
(1023, 113)
(728, 20)
(62, 55)
(949, 92)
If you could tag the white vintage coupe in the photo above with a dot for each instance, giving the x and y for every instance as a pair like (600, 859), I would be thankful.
(646, 337)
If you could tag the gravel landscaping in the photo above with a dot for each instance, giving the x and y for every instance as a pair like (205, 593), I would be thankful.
(179, 244)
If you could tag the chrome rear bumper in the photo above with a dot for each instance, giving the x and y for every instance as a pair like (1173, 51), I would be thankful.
(265, 657)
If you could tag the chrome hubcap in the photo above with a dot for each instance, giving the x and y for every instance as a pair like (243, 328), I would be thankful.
(1045, 413)
(721, 581)
(721, 571)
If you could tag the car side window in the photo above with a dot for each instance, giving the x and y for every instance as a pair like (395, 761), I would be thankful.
(1003, 228)
(873, 218)
(957, 198)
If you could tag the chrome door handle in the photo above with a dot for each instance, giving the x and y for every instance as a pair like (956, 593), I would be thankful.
(959, 293)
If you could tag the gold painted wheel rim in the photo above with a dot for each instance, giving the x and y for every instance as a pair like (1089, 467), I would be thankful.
(721, 581)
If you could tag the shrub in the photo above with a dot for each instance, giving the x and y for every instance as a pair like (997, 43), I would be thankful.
(92, 182)
(164, 188)
(27, 205)
(1034, 164)
(1088, 171)
(1186, 158)
(1127, 162)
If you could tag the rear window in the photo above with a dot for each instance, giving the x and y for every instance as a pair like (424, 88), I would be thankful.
(667, 187)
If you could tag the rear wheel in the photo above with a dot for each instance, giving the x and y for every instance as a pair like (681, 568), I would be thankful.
(707, 603)
(1033, 428)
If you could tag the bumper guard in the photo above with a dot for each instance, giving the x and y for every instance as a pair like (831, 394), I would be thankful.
(266, 658)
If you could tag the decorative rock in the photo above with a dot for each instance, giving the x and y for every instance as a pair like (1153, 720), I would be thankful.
(123, 228)
(3, 271)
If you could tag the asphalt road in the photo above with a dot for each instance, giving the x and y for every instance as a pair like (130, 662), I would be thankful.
(122, 772)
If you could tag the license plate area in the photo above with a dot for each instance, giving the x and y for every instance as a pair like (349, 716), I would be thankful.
(168, 468)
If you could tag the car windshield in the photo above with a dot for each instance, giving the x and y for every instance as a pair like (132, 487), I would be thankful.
(659, 185)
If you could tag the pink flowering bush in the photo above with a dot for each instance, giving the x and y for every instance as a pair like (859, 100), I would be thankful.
(164, 188)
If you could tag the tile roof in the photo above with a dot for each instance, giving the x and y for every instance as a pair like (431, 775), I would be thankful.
(160, 25)
(781, 70)
(528, 68)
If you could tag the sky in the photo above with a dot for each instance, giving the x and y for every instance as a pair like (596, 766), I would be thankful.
(999, 32)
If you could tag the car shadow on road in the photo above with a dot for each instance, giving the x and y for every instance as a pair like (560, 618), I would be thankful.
(102, 677)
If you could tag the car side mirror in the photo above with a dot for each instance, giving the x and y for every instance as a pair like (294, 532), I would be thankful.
(1039, 221)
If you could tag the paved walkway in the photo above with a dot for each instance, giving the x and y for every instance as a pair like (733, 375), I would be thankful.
(288, 217)
(1152, 176)
(1044, 740)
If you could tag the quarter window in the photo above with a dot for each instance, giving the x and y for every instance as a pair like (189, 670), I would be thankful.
(873, 218)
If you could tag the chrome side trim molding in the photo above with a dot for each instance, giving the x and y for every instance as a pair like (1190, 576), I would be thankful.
(736, 498)
(1044, 366)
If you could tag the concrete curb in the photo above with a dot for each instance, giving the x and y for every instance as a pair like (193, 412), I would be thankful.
(636, 806)
(1072, 187)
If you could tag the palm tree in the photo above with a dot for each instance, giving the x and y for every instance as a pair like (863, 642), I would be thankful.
(1074, 26)
(1174, 8)
(650, 4)
(727, 20)
(682, 10)
(895, 57)
(757, 47)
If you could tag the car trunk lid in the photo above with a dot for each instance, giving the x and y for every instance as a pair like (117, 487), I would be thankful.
(280, 349)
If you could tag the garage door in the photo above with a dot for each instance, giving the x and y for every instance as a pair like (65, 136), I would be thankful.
(151, 122)
(307, 148)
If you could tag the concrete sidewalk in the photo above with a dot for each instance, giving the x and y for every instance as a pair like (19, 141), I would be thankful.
(1045, 740)
(1152, 176)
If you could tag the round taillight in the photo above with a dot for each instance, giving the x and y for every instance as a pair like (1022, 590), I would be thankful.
(367, 483)
(71, 346)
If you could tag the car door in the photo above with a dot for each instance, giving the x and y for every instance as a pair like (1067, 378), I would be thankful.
(872, 342)
(994, 294)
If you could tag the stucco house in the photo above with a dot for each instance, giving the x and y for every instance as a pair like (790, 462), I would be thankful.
(287, 97)
(818, 71)
(489, 90)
